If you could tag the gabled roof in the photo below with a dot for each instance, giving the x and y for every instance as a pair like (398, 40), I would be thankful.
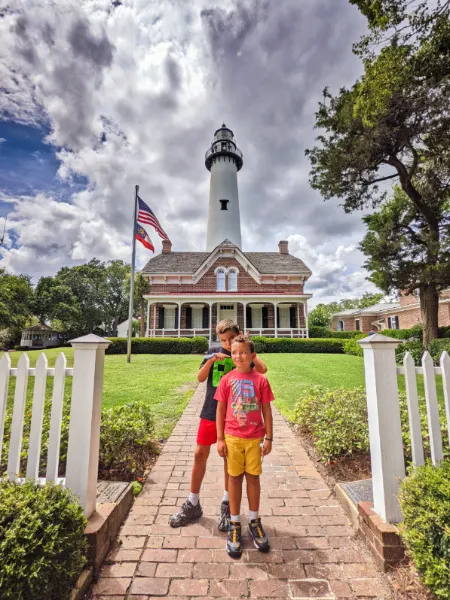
(189, 262)
(370, 310)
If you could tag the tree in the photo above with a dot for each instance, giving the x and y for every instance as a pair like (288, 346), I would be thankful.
(396, 249)
(115, 296)
(16, 304)
(394, 125)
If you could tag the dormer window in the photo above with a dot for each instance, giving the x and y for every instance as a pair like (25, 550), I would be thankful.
(221, 287)
(223, 204)
(232, 280)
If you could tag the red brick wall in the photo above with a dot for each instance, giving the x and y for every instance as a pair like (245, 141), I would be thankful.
(208, 283)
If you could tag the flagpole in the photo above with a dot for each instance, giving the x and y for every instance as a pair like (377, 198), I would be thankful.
(133, 257)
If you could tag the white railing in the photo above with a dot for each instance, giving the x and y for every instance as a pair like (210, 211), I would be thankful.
(85, 416)
(267, 332)
(385, 434)
(178, 333)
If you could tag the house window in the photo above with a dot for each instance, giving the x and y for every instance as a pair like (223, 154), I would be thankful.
(256, 317)
(285, 318)
(340, 326)
(232, 281)
(223, 204)
(169, 317)
(393, 322)
(221, 280)
(227, 307)
(358, 325)
(197, 317)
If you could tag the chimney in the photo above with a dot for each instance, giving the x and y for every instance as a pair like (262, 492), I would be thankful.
(283, 247)
(166, 247)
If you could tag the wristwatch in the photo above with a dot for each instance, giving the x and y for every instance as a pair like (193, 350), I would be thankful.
(269, 439)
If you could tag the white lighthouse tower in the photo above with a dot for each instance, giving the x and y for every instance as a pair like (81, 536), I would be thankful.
(224, 160)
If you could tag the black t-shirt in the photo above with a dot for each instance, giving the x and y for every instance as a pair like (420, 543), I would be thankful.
(216, 372)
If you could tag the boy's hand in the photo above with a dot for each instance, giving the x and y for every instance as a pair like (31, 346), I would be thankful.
(219, 356)
(266, 448)
(222, 448)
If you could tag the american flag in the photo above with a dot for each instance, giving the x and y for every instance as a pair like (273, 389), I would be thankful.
(148, 217)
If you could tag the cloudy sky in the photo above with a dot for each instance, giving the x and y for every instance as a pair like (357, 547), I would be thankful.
(100, 95)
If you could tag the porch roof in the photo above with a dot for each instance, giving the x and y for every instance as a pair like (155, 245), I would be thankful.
(227, 297)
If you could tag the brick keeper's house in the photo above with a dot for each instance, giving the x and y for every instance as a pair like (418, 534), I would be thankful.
(192, 291)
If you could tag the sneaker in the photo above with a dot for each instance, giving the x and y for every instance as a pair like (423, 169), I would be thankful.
(260, 539)
(224, 519)
(234, 547)
(187, 514)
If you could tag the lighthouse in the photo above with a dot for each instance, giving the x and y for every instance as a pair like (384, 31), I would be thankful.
(223, 159)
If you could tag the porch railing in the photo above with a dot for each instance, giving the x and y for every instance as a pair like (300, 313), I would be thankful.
(267, 332)
(385, 433)
(85, 415)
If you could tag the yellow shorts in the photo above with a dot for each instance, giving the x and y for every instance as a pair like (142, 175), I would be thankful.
(243, 456)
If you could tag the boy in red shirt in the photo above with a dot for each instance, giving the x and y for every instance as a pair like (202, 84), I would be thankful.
(244, 435)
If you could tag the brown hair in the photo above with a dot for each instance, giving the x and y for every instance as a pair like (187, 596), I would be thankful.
(227, 325)
(243, 339)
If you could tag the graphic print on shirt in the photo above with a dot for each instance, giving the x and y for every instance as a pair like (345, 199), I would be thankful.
(221, 368)
(243, 399)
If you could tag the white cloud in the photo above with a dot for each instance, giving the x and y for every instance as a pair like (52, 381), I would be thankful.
(132, 95)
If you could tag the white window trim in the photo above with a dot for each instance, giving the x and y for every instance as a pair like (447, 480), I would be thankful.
(197, 317)
(394, 318)
(285, 317)
(220, 271)
(257, 316)
(343, 325)
(235, 272)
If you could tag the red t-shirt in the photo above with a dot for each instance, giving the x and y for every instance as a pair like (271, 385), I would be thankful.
(244, 393)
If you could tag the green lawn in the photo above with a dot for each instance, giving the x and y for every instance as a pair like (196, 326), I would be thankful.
(167, 381)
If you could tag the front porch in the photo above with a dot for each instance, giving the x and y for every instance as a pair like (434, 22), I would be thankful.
(285, 317)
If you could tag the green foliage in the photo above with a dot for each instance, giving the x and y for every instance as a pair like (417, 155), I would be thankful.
(324, 332)
(303, 345)
(336, 419)
(415, 348)
(126, 437)
(16, 303)
(404, 334)
(322, 314)
(425, 504)
(352, 347)
(136, 487)
(194, 345)
(42, 542)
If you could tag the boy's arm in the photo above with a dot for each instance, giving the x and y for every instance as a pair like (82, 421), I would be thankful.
(268, 424)
(260, 366)
(220, 424)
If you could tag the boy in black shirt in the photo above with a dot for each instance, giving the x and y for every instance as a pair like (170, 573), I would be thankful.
(213, 367)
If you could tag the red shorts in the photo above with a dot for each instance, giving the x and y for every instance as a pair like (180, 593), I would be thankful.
(207, 433)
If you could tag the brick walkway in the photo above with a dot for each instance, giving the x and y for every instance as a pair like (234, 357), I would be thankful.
(313, 551)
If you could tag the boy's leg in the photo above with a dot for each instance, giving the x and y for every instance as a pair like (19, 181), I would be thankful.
(191, 509)
(224, 519)
(235, 463)
(235, 494)
(253, 469)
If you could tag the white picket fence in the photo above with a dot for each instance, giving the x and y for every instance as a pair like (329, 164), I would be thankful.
(85, 416)
(386, 446)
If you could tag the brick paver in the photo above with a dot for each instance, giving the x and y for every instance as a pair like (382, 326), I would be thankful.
(314, 552)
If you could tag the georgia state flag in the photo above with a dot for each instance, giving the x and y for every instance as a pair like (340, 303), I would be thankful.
(144, 238)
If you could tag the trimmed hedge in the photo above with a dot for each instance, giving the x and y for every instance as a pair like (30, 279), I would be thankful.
(194, 345)
(42, 542)
(301, 345)
(425, 504)
(316, 331)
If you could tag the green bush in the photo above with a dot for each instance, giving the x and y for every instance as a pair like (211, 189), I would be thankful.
(347, 335)
(352, 347)
(435, 348)
(425, 504)
(42, 542)
(126, 436)
(316, 331)
(337, 421)
(444, 332)
(301, 345)
(195, 345)
(404, 334)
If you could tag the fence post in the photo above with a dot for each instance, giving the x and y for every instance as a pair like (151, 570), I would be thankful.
(385, 434)
(85, 417)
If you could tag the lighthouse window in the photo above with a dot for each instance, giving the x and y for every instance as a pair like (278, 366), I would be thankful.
(224, 204)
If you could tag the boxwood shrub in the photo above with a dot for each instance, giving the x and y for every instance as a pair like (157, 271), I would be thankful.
(301, 345)
(425, 504)
(194, 345)
(42, 542)
(318, 331)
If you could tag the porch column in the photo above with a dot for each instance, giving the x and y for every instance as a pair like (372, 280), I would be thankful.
(244, 304)
(210, 322)
(147, 333)
(275, 317)
(179, 318)
(306, 317)
(298, 317)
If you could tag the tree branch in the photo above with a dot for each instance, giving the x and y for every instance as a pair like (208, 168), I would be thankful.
(367, 183)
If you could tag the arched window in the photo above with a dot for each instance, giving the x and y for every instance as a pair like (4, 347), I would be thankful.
(340, 325)
(221, 280)
(232, 280)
